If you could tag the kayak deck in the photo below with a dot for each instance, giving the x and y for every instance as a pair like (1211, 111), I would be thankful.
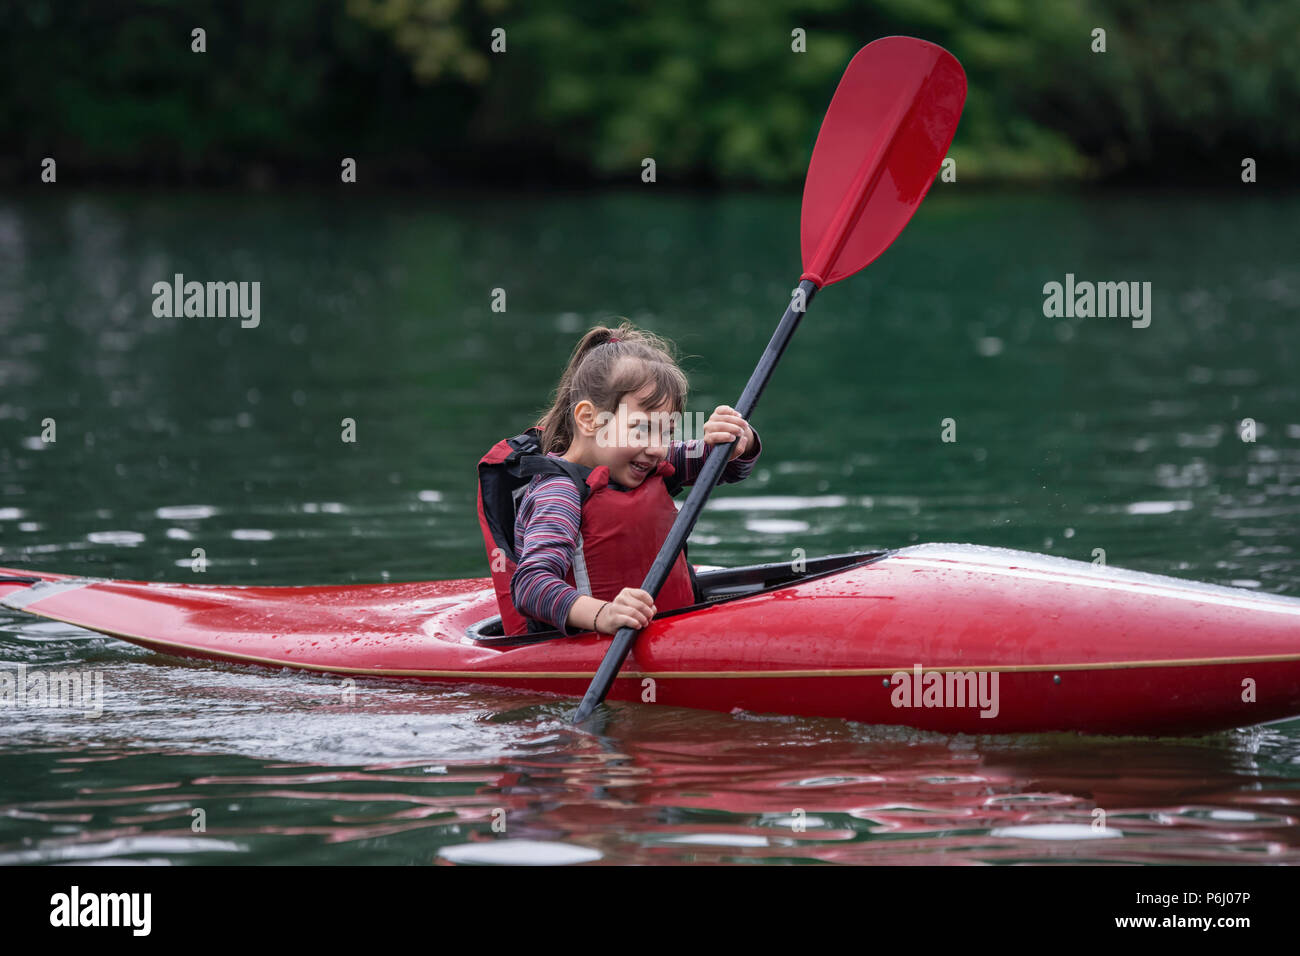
(944, 637)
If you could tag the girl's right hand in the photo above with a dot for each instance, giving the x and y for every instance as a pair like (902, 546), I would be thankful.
(632, 608)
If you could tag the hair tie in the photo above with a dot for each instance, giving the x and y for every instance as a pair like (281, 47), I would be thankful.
(612, 339)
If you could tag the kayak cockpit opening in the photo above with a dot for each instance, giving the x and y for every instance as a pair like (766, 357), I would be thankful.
(725, 584)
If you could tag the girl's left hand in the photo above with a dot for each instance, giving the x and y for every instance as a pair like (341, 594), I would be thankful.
(725, 424)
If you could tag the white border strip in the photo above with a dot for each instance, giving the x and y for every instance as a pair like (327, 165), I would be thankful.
(1273, 606)
(39, 591)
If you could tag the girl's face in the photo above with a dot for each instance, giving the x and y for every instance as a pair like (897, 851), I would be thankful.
(633, 440)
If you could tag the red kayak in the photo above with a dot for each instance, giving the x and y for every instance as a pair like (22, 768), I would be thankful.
(950, 638)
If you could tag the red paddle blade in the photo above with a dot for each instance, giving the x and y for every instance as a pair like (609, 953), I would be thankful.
(883, 139)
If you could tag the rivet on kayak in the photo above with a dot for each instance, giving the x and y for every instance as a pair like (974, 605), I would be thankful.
(1056, 678)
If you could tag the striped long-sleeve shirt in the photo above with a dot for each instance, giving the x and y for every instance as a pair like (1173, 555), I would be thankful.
(549, 520)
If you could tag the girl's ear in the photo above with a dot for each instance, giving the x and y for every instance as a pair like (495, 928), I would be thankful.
(584, 417)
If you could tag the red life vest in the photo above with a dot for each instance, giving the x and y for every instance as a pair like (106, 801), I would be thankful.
(620, 534)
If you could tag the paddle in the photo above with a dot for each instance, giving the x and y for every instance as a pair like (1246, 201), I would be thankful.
(881, 144)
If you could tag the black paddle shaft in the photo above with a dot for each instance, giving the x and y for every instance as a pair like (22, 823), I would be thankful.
(716, 460)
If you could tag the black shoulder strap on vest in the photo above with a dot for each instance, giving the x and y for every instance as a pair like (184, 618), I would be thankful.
(502, 485)
(537, 464)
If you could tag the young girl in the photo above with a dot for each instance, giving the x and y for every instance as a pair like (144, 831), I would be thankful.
(583, 552)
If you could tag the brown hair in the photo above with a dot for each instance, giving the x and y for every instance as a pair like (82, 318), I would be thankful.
(603, 371)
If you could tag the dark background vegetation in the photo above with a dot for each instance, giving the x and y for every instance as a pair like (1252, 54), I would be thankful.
(588, 88)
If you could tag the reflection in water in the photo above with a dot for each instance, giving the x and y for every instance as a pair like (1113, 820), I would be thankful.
(258, 767)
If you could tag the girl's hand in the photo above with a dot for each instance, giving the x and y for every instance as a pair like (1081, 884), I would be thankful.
(725, 424)
(632, 608)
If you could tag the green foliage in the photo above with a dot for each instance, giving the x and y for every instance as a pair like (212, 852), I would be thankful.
(711, 89)
(116, 88)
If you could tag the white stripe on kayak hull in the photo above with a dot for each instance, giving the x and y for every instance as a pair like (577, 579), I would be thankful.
(1247, 602)
(43, 589)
